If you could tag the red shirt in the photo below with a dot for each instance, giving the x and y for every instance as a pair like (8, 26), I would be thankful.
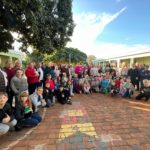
(118, 83)
(51, 84)
(30, 73)
(10, 73)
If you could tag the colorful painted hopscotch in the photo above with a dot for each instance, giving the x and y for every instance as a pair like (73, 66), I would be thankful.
(75, 120)
(78, 131)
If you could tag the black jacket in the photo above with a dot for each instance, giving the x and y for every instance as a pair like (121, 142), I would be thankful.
(145, 89)
(19, 111)
(6, 110)
(62, 96)
(47, 94)
(134, 74)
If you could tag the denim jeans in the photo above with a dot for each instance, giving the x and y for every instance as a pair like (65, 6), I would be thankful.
(4, 128)
(34, 120)
(71, 90)
(48, 102)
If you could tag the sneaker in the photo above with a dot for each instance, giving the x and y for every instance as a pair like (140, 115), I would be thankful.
(69, 102)
(18, 128)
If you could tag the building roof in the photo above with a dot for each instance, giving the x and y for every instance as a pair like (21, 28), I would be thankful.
(133, 54)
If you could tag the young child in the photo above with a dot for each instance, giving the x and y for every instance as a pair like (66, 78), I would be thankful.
(7, 118)
(99, 77)
(87, 78)
(95, 84)
(50, 82)
(64, 80)
(122, 89)
(79, 87)
(70, 86)
(48, 95)
(144, 91)
(63, 96)
(37, 98)
(57, 83)
(24, 112)
(117, 81)
(104, 85)
(75, 82)
(86, 87)
(114, 89)
(129, 88)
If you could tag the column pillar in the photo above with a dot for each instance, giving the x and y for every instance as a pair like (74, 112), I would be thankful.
(118, 63)
(131, 62)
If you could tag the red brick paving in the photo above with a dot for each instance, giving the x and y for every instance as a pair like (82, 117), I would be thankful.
(119, 125)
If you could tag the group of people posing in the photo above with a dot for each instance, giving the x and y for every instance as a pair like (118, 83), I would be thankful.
(24, 91)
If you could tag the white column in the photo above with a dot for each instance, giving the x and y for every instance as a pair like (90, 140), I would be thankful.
(118, 63)
(131, 61)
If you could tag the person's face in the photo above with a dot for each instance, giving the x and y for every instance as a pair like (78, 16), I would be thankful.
(18, 64)
(40, 91)
(113, 83)
(146, 83)
(64, 74)
(31, 65)
(128, 80)
(19, 73)
(49, 77)
(61, 89)
(75, 75)
(47, 85)
(9, 65)
(124, 78)
(147, 67)
(24, 99)
(117, 78)
(3, 99)
(104, 77)
(39, 65)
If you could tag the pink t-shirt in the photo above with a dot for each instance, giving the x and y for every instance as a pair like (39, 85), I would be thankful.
(51, 84)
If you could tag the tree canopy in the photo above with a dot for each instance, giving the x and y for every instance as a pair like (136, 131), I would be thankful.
(69, 55)
(44, 24)
(90, 58)
(64, 55)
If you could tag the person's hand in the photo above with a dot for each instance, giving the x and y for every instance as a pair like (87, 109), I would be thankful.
(6, 119)
(43, 100)
(25, 104)
(36, 73)
(142, 91)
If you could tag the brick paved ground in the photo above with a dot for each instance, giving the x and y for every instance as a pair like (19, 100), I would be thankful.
(94, 122)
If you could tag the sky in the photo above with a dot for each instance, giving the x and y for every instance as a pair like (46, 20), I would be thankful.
(109, 28)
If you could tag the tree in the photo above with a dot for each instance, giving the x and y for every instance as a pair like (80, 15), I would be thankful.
(67, 55)
(90, 58)
(35, 56)
(44, 24)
